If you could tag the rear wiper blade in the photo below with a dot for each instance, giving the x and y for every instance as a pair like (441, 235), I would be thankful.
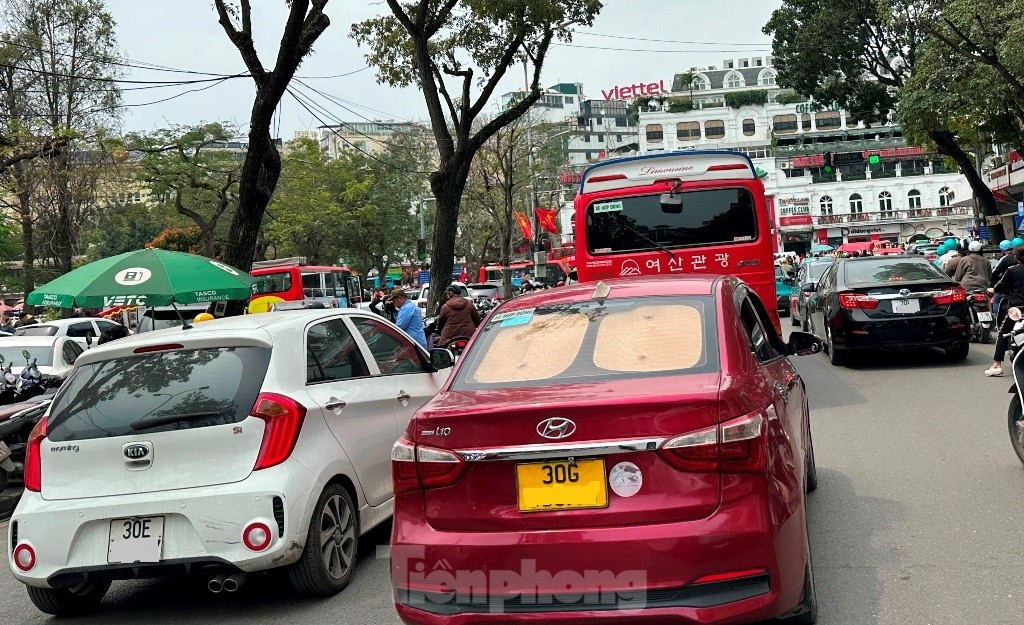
(171, 418)
(652, 242)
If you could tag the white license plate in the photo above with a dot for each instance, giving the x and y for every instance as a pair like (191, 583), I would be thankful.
(984, 316)
(906, 306)
(138, 539)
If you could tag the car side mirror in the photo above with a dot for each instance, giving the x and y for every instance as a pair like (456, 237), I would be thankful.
(809, 287)
(441, 359)
(88, 340)
(803, 344)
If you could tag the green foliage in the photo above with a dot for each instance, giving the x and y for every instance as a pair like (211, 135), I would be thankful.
(790, 97)
(122, 228)
(683, 81)
(635, 106)
(679, 105)
(750, 97)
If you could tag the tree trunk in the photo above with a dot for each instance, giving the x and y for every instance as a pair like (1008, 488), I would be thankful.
(947, 144)
(447, 185)
(260, 172)
(64, 237)
(28, 277)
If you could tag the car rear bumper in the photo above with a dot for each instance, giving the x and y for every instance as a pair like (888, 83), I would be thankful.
(202, 528)
(635, 574)
(942, 332)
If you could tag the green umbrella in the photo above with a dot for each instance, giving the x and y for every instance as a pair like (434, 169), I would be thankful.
(149, 277)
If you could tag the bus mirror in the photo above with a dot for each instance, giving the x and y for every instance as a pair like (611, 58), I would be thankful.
(671, 203)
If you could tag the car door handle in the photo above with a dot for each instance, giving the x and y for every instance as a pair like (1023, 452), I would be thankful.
(335, 405)
(403, 396)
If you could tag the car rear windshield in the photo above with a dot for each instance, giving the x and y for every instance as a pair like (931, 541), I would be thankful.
(12, 353)
(159, 392)
(273, 283)
(483, 290)
(716, 217)
(894, 270)
(36, 330)
(592, 342)
(814, 271)
(163, 319)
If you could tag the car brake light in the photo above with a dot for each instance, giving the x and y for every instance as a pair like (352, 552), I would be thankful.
(284, 417)
(736, 446)
(33, 479)
(979, 297)
(158, 348)
(415, 467)
(24, 557)
(951, 295)
(856, 300)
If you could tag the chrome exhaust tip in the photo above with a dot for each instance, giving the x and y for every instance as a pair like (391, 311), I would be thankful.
(216, 584)
(234, 581)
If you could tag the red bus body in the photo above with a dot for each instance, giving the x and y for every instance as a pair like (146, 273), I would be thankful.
(290, 280)
(700, 176)
(492, 273)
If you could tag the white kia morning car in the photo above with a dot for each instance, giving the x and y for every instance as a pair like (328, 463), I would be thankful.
(211, 451)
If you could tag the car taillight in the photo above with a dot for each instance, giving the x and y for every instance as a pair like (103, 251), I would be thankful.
(33, 462)
(979, 297)
(24, 557)
(284, 417)
(415, 467)
(951, 295)
(736, 446)
(856, 300)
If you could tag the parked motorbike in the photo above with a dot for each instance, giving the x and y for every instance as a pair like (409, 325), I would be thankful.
(457, 345)
(8, 383)
(1015, 415)
(16, 423)
(982, 319)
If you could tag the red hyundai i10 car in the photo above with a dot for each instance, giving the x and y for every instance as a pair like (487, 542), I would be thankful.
(635, 451)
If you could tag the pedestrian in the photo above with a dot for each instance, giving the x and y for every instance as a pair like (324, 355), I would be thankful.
(407, 316)
(973, 271)
(458, 318)
(527, 287)
(6, 325)
(1012, 288)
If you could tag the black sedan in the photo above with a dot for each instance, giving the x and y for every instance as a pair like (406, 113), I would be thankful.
(806, 281)
(889, 302)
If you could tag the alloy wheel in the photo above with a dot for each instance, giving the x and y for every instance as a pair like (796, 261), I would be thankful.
(337, 537)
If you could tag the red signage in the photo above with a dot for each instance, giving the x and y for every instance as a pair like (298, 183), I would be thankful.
(628, 92)
(570, 178)
(818, 160)
(795, 220)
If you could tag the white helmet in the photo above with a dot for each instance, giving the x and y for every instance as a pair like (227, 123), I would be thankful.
(974, 246)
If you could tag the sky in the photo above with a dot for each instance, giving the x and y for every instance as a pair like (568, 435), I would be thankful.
(185, 34)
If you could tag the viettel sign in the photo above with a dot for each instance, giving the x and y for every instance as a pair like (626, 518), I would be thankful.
(628, 92)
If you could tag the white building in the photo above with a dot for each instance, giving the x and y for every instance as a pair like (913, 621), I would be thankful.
(710, 84)
(368, 137)
(906, 195)
(558, 104)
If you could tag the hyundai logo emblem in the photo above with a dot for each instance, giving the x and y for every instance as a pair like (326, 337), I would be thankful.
(136, 451)
(556, 428)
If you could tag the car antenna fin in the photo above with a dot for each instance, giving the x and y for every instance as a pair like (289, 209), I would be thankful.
(601, 292)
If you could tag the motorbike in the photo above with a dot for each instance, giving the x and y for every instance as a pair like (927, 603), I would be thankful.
(16, 423)
(982, 319)
(1015, 414)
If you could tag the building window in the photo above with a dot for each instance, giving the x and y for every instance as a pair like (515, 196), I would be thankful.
(714, 129)
(699, 84)
(914, 199)
(784, 124)
(618, 138)
(885, 204)
(655, 133)
(768, 79)
(856, 203)
(829, 120)
(586, 138)
(734, 80)
(600, 137)
(589, 155)
(945, 196)
(825, 204)
(749, 127)
(805, 122)
(569, 100)
(688, 131)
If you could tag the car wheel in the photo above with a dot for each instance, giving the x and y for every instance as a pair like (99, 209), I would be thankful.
(959, 353)
(835, 356)
(332, 545)
(805, 323)
(72, 601)
(1015, 421)
(4, 478)
(806, 612)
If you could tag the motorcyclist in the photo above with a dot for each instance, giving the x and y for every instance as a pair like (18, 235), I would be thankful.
(1012, 287)
(458, 317)
(948, 251)
(961, 252)
(1008, 260)
(973, 271)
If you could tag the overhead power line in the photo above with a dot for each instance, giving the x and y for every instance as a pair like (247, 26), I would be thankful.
(650, 51)
(647, 39)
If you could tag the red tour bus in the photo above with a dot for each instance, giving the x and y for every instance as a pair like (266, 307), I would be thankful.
(492, 273)
(685, 212)
(291, 279)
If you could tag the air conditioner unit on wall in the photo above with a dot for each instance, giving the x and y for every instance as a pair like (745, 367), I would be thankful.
(784, 166)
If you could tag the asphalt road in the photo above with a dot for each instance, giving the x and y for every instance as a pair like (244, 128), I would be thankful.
(917, 519)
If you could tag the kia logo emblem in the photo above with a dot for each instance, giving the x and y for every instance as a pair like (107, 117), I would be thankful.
(136, 452)
(556, 428)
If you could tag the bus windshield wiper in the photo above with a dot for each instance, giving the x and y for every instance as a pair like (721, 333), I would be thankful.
(651, 241)
(171, 418)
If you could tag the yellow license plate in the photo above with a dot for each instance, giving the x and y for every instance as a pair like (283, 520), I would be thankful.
(562, 485)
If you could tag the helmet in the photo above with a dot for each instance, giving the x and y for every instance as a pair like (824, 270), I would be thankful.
(943, 248)
(201, 317)
(974, 246)
(1017, 242)
(1005, 245)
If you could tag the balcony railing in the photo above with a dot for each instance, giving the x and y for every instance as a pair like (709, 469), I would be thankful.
(914, 214)
(840, 146)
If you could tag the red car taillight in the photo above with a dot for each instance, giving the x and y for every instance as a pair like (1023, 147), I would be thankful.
(33, 462)
(736, 446)
(979, 297)
(951, 295)
(416, 467)
(284, 417)
(856, 300)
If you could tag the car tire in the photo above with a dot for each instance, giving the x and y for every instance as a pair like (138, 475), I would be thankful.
(986, 336)
(835, 356)
(805, 323)
(73, 601)
(327, 564)
(959, 353)
(1015, 421)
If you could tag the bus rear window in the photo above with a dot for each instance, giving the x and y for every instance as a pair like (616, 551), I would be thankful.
(273, 283)
(715, 217)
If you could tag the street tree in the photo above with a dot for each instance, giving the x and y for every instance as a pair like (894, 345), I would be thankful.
(873, 48)
(187, 168)
(457, 52)
(262, 166)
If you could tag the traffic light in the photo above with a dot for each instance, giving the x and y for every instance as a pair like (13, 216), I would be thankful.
(830, 164)
(421, 249)
(874, 162)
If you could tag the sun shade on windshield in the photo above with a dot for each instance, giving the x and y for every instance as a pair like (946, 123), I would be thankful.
(649, 339)
(874, 272)
(512, 356)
